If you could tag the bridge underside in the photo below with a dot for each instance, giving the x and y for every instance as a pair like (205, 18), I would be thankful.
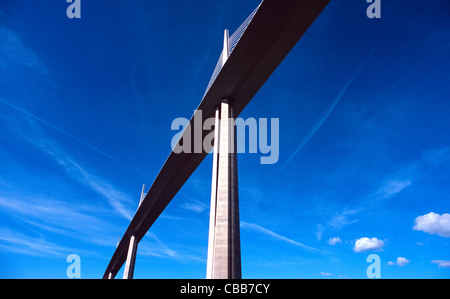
(275, 29)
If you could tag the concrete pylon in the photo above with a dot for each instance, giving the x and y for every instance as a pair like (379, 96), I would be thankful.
(224, 248)
(128, 272)
(131, 258)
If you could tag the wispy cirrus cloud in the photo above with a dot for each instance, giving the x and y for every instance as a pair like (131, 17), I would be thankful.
(60, 218)
(47, 220)
(391, 187)
(267, 232)
(152, 246)
(32, 132)
(328, 112)
(441, 263)
(14, 53)
(116, 198)
(437, 155)
(194, 205)
(50, 125)
(16, 242)
(343, 218)
(388, 189)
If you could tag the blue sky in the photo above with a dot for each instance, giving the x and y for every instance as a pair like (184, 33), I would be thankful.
(86, 108)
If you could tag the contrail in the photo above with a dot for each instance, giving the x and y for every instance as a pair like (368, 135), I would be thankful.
(324, 117)
(56, 128)
(263, 230)
(69, 135)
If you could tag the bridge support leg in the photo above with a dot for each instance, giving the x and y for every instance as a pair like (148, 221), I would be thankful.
(131, 258)
(224, 248)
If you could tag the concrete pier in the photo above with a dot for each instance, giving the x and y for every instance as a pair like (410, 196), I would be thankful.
(224, 250)
(131, 258)
(132, 248)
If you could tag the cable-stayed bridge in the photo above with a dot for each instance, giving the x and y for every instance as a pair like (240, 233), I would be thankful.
(248, 59)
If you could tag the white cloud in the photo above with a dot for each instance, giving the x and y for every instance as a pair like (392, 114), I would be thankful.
(401, 261)
(326, 274)
(433, 223)
(441, 263)
(366, 244)
(340, 220)
(392, 188)
(334, 241)
(194, 207)
(319, 232)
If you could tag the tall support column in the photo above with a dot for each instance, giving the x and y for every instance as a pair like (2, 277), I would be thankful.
(132, 248)
(212, 218)
(224, 250)
(131, 259)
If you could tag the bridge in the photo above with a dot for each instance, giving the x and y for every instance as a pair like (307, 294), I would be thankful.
(248, 59)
